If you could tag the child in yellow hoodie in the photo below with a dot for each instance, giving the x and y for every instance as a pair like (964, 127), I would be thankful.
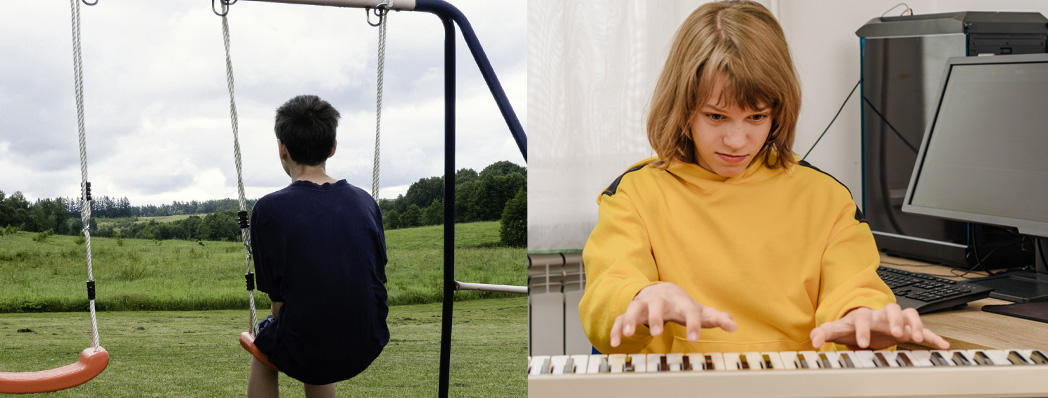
(726, 229)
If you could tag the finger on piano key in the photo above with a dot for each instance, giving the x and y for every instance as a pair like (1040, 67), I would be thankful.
(539, 365)
(581, 363)
(775, 359)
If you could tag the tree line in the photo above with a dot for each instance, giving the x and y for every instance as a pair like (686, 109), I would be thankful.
(483, 196)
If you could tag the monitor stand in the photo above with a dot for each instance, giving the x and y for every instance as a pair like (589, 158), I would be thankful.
(1021, 286)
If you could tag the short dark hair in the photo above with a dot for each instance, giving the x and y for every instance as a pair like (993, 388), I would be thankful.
(306, 125)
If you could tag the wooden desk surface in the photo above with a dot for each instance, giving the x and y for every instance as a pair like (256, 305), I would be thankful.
(970, 327)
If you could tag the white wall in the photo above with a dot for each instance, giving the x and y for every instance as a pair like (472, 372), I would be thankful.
(592, 66)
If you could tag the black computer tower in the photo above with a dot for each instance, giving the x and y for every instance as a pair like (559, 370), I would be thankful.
(903, 59)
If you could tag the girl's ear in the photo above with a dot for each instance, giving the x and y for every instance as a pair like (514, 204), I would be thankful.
(333, 147)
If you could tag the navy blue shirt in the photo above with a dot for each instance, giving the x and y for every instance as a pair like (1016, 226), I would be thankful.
(321, 250)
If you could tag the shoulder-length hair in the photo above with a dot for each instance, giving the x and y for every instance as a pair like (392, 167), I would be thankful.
(740, 42)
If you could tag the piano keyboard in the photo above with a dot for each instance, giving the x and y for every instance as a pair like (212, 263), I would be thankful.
(953, 373)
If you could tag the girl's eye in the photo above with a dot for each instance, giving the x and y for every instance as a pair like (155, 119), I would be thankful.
(758, 118)
(715, 117)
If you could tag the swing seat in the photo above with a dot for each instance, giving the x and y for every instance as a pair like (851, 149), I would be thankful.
(91, 363)
(247, 340)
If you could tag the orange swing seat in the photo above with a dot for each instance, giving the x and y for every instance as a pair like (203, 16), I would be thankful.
(247, 340)
(91, 363)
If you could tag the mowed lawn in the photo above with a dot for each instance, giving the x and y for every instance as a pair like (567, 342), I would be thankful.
(170, 313)
(196, 353)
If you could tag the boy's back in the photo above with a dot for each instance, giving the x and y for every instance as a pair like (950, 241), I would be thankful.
(320, 250)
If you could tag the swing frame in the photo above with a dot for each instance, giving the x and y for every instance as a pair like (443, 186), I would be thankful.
(450, 16)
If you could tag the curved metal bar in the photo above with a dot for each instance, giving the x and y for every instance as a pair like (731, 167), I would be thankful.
(443, 8)
(491, 288)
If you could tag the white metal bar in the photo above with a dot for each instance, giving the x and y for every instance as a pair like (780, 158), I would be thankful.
(401, 5)
(491, 288)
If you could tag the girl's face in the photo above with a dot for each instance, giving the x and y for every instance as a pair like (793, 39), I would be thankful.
(728, 137)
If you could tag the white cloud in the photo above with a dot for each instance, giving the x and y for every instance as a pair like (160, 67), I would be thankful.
(157, 106)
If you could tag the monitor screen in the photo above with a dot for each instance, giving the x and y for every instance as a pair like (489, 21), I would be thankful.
(984, 157)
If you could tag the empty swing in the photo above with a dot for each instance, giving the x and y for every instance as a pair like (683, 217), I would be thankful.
(94, 359)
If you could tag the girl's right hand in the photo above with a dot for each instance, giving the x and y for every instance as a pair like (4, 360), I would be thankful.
(666, 302)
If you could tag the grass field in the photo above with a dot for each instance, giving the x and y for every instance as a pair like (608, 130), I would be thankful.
(196, 354)
(134, 274)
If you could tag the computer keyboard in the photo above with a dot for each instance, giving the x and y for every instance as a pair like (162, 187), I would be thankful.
(927, 293)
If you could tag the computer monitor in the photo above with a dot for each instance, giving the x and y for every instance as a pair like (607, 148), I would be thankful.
(984, 158)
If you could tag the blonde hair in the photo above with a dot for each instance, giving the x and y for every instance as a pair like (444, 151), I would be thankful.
(740, 42)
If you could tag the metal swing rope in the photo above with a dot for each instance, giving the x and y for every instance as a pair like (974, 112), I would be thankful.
(85, 186)
(245, 232)
(381, 10)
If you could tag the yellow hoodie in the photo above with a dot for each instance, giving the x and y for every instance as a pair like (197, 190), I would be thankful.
(781, 250)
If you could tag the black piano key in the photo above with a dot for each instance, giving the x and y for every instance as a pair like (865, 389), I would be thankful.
(545, 366)
(938, 360)
(960, 360)
(1039, 358)
(1017, 359)
(824, 361)
(628, 366)
(880, 361)
(767, 362)
(569, 367)
(800, 362)
(686, 365)
(845, 360)
(743, 363)
(708, 364)
(982, 359)
(903, 359)
(664, 366)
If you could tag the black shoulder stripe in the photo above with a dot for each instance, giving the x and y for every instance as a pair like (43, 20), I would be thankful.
(858, 213)
(614, 187)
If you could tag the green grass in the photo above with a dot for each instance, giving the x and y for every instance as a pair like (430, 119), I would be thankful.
(183, 275)
(196, 354)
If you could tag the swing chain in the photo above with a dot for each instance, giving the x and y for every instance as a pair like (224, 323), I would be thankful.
(224, 3)
(380, 11)
(90, 4)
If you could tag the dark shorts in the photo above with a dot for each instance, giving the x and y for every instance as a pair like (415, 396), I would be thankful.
(316, 371)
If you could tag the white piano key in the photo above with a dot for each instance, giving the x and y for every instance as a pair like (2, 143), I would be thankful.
(539, 365)
(639, 362)
(754, 359)
(776, 359)
(557, 364)
(715, 359)
(1036, 356)
(594, 362)
(732, 361)
(962, 358)
(810, 357)
(653, 361)
(990, 357)
(921, 358)
(941, 358)
(675, 362)
(848, 359)
(828, 360)
(617, 362)
(864, 359)
(580, 363)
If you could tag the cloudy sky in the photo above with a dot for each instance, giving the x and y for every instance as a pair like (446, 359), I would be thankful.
(157, 107)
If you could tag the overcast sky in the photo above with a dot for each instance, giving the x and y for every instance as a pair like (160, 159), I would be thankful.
(157, 106)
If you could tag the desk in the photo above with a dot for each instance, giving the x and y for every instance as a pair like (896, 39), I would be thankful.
(970, 327)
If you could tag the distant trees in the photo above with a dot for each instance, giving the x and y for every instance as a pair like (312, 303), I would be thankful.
(478, 197)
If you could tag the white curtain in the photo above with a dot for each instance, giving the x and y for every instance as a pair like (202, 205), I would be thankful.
(592, 66)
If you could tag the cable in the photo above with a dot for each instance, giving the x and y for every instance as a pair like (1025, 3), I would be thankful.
(885, 120)
(832, 120)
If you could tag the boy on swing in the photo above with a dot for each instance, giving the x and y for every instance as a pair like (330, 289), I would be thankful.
(320, 255)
